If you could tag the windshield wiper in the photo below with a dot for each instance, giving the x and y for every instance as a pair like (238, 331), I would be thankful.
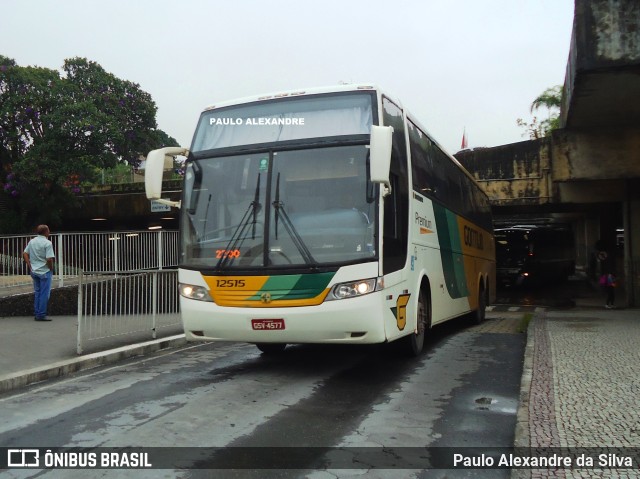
(239, 234)
(288, 225)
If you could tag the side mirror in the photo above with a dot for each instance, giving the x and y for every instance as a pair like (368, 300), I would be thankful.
(380, 154)
(154, 169)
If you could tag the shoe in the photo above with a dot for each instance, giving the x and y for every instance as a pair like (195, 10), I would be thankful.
(42, 319)
(608, 306)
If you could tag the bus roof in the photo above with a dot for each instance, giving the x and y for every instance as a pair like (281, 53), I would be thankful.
(298, 92)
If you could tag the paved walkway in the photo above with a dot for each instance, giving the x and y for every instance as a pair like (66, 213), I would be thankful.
(581, 387)
(32, 351)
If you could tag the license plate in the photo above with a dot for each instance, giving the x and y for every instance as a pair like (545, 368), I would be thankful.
(267, 324)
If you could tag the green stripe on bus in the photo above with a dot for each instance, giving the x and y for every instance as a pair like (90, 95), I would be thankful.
(450, 251)
(294, 286)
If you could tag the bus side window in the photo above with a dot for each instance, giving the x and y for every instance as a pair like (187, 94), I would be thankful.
(396, 208)
(391, 211)
(421, 162)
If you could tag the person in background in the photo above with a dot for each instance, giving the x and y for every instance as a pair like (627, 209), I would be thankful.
(39, 258)
(609, 282)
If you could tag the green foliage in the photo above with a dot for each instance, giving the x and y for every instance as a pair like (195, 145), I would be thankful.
(10, 222)
(56, 130)
(120, 173)
(551, 99)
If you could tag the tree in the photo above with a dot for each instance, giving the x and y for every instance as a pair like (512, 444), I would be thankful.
(55, 127)
(551, 99)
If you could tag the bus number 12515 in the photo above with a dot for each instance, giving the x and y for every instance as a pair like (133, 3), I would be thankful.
(230, 283)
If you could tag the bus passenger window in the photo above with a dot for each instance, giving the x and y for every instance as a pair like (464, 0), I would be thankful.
(391, 210)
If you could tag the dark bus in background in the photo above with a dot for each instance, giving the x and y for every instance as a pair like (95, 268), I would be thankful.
(534, 254)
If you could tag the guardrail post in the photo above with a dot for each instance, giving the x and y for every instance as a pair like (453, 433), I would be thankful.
(116, 259)
(60, 259)
(160, 253)
(154, 302)
(80, 311)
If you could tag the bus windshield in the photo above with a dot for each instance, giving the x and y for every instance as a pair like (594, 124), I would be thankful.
(512, 246)
(294, 208)
(283, 120)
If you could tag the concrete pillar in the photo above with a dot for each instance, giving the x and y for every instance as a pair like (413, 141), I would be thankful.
(591, 237)
(609, 220)
(579, 232)
(631, 217)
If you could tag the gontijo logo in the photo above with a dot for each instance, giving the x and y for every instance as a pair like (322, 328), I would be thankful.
(473, 238)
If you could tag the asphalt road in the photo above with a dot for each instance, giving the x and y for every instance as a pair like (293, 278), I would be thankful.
(324, 402)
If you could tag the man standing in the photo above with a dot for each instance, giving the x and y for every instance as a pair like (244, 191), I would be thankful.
(39, 257)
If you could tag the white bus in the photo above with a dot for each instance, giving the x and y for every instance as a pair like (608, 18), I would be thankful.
(325, 215)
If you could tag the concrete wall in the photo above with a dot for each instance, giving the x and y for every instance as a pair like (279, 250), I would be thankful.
(512, 174)
(601, 84)
(632, 241)
(596, 154)
(554, 170)
(607, 32)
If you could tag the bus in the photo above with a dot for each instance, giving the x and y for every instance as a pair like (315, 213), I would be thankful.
(325, 215)
(530, 254)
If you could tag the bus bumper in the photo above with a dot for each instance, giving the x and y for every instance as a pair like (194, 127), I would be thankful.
(350, 321)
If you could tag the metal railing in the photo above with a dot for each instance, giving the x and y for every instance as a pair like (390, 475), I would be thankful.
(91, 252)
(118, 307)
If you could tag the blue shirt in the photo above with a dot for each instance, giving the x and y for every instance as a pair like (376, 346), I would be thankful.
(39, 249)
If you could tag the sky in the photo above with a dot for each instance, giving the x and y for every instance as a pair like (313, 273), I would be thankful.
(459, 66)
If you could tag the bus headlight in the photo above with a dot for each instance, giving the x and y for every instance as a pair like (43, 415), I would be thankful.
(194, 292)
(355, 288)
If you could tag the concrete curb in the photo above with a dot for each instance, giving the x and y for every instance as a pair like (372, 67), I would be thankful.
(63, 368)
(522, 437)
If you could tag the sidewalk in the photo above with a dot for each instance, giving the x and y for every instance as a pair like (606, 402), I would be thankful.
(580, 385)
(32, 351)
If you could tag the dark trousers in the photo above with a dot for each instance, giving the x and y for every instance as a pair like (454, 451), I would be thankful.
(611, 295)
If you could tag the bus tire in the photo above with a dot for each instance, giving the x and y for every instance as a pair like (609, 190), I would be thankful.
(479, 315)
(271, 348)
(413, 344)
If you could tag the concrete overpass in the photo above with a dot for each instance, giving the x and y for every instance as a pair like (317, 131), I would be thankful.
(121, 207)
(588, 172)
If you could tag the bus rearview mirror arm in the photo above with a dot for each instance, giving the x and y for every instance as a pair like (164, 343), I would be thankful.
(154, 169)
(380, 156)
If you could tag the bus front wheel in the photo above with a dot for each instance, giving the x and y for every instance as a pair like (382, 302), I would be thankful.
(414, 343)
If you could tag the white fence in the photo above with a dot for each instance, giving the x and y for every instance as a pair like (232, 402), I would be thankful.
(92, 253)
(120, 307)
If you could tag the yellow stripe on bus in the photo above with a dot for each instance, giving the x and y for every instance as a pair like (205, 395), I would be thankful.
(257, 292)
